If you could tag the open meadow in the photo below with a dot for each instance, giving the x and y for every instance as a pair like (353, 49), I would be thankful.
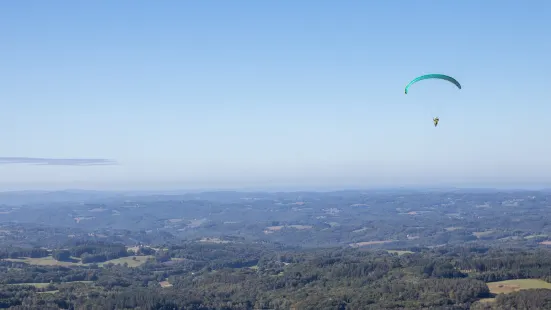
(132, 261)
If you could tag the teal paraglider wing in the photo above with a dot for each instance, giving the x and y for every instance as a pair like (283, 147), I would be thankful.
(433, 76)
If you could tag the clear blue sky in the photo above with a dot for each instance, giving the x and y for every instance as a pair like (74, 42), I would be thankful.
(271, 93)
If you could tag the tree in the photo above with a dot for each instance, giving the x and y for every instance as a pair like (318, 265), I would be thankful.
(61, 255)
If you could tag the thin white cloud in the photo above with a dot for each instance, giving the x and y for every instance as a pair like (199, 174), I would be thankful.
(57, 161)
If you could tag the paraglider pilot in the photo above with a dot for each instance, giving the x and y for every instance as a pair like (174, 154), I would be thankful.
(435, 120)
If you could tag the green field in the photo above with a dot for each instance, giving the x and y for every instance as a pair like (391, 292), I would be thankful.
(453, 228)
(399, 252)
(50, 261)
(43, 285)
(44, 261)
(140, 260)
(48, 292)
(535, 236)
(480, 234)
(509, 286)
(37, 285)
(487, 300)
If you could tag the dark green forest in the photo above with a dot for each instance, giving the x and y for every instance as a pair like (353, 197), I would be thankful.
(269, 276)
(229, 250)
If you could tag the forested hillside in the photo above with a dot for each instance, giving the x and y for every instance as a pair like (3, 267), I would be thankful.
(342, 250)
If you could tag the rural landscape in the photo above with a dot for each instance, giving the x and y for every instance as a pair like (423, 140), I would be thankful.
(273, 155)
(401, 249)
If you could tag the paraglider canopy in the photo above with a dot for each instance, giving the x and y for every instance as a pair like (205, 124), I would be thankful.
(433, 76)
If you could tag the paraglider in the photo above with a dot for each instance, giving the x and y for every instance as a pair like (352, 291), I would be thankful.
(433, 76)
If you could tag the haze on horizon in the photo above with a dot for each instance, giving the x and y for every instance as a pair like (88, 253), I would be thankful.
(273, 94)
